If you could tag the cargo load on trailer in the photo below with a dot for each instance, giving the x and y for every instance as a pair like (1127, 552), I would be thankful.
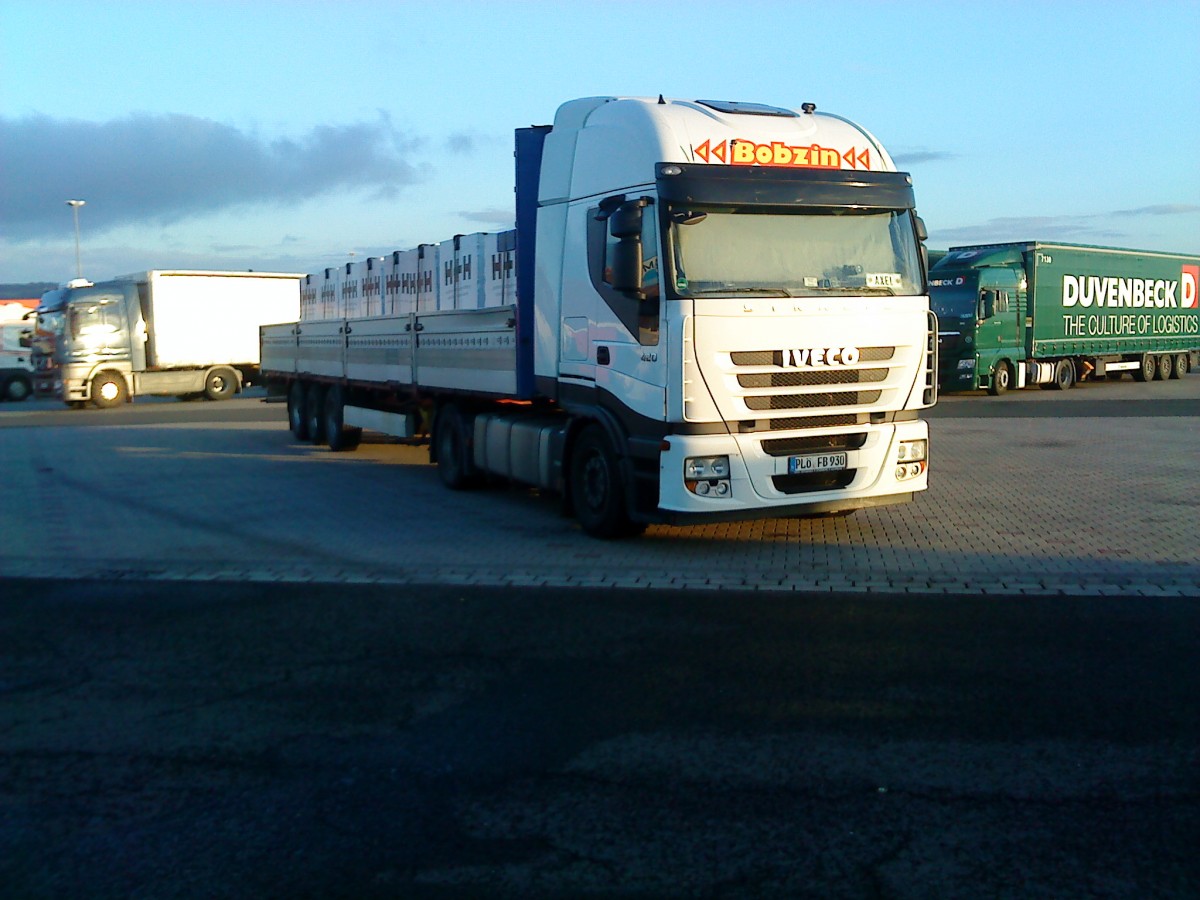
(1012, 315)
(706, 311)
(188, 334)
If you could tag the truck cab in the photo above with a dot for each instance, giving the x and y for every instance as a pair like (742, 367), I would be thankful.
(980, 300)
(737, 292)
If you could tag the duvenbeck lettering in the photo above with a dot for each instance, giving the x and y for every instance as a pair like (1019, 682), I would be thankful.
(1107, 291)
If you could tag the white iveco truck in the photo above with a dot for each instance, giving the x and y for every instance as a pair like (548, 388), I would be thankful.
(707, 311)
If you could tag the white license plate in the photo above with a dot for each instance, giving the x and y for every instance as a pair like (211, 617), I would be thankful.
(816, 462)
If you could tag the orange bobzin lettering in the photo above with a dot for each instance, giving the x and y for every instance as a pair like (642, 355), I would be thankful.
(814, 156)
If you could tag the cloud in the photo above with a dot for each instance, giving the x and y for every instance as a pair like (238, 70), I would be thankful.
(1165, 209)
(1027, 228)
(916, 157)
(501, 217)
(164, 168)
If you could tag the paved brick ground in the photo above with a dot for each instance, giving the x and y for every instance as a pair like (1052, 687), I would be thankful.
(1085, 505)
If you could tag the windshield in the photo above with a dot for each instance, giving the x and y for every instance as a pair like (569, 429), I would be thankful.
(811, 252)
(95, 321)
(953, 297)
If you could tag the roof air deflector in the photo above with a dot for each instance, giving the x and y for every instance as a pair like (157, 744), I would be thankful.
(747, 109)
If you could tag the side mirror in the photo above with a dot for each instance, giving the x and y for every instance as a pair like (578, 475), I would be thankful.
(625, 224)
(922, 233)
(626, 220)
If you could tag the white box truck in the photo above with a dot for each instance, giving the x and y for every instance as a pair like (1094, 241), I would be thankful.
(184, 333)
(720, 313)
(16, 359)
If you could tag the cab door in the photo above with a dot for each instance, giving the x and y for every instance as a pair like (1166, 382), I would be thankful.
(997, 336)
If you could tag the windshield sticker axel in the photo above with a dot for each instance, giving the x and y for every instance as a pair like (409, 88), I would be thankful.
(776, 153)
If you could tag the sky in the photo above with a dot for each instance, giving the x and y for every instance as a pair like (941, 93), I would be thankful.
(291, 136)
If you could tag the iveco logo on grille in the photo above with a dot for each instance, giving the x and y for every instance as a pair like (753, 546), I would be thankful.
(817, 356)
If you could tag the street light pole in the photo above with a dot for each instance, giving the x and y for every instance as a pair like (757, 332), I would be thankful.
(75, 204)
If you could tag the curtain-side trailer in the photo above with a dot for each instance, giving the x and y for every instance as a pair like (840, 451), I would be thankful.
(1032, 312)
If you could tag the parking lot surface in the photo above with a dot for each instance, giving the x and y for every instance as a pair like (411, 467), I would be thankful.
(1092, 491)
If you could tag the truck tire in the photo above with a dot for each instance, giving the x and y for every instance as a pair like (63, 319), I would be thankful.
(1064, 375)
(1001, 379)
(109, 390)
(297, 419)
(1147, 370)
(1181, 365)
(597, 488)
(337, 435)
(454, 464)
(220, 384)
(314, 401)
(1165, 367)
(17, 388)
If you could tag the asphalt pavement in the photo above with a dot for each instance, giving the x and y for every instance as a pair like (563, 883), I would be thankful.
(216, 740)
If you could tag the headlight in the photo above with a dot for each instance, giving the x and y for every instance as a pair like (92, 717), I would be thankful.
(912, 451)
(696, 468)
(966, 364)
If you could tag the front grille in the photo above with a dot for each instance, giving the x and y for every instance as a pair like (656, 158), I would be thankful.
(761, 374)
(813, 401)
(793, 445)
(812, 482)
(811, 422)
(819, 378)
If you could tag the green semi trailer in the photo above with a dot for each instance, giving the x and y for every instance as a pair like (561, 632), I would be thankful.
(1017, 314)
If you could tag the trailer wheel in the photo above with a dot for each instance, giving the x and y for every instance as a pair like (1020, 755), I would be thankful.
(297, 420)
(108, 390)
(1164, 367)
(17, 388)
(597, 489)
(1148, 368)
(1064, 375)
(1181, 365)
(314, 400)
(336, 433)
(220, 384)
(452, 448)
(1001, 379)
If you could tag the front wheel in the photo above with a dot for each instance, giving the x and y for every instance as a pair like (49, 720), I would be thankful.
(17, 389)
(1001, 379)
(597, 488)
(108, 390)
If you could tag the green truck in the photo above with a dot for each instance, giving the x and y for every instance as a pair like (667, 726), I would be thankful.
(1017, 314)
